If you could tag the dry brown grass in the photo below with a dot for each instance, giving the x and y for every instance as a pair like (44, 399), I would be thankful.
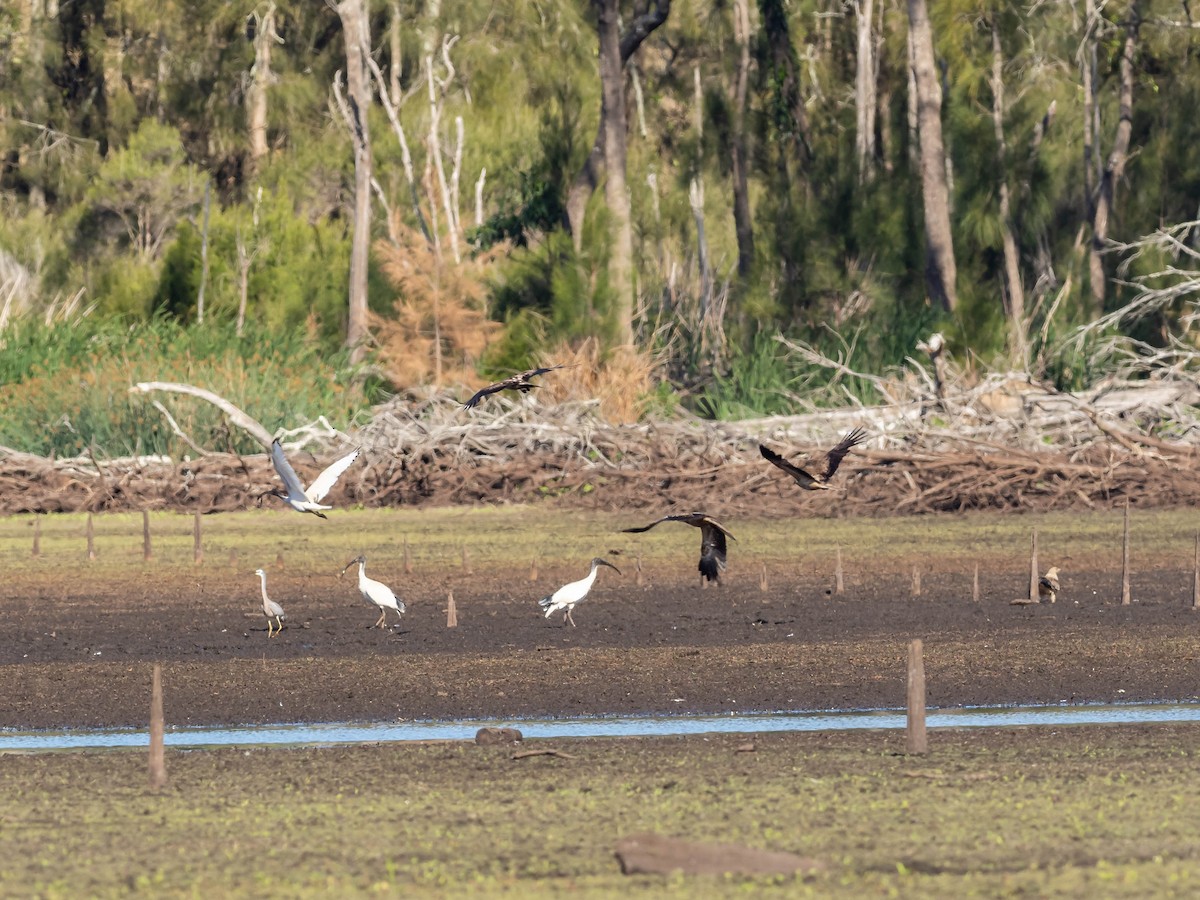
(441, 326)
(621, 380)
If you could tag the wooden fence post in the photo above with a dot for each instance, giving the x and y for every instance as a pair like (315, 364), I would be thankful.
(916, 582)
(839, 583)
(147, 550)
(197, 548)
(407, 560)
(915, 741)
(1126, 599)
(1033, 566)
(37, 535)
(91, 538)
(451, 611)
(1196, 575)
(975, 585)
(158, 764)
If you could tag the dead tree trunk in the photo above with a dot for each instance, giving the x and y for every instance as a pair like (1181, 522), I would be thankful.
(353, 14)
(940, 271)
(616, 192)
(742, 223)
(1114, 169)
(261, 77)
(1018, 340)
(592, 173)
(864, 91)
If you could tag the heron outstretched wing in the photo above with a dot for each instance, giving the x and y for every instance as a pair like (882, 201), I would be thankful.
(285, 471)
(327, 479)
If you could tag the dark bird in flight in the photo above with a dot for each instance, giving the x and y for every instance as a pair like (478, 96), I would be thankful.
(712, 541)
(820, 480)
(519, 382)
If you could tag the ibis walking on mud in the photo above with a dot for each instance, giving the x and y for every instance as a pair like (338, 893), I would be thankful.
(376, 592)
(564, 599)
(271, 609)
(816, 481)
(712, 541)
(298, 497)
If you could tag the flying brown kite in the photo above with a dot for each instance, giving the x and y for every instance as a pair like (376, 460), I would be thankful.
(820, 480)
(519, 382)
(712, 541)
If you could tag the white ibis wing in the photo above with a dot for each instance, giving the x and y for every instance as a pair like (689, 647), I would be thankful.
(327, 479)
(285, 471)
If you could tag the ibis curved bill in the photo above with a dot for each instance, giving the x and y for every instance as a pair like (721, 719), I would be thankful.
(566, 597)
(298, 497)
(271, 609)
(376, 592)
(712, 541)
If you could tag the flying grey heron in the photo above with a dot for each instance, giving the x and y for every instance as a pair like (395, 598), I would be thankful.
(519, 382)
(818, 481)
(712, 541)
(298, 497)
(271, 609)
(376, 592)
(564, 599)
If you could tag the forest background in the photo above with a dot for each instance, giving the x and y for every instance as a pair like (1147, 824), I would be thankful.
(733, 207)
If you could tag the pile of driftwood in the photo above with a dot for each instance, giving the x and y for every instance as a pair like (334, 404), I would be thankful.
(1003, 444)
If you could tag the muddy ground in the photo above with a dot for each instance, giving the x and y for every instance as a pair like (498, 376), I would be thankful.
(75, 654)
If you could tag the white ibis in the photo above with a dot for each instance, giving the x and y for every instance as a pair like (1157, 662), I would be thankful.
(820, 480)
(375, 592)
(1048, 585)
(519, 382)
(712, 541)
(564, 599)
(298, 497)
(271, 609)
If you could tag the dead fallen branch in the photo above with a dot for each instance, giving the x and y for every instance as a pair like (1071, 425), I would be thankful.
(548, 751)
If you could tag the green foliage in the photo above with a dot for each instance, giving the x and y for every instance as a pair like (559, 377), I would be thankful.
(65, 389)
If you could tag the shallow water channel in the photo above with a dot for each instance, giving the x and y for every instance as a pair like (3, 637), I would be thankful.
(300, 734)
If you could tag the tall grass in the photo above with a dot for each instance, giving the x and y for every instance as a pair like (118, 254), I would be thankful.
(65, 389)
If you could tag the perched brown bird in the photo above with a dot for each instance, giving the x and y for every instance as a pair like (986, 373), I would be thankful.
(819, 481)
(519, 382)
(1048, 585)
(712, 541)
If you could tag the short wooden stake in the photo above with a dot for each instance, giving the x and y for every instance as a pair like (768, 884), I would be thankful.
(147, 550)
(762, 578)
(91, 538)
(916, 582)
(915, 742)
(975, 585)
(279, 560)
(533, 572)
(1033, 566)
(197, 549)
(1196, 575)
(1125, 597)
(466, 560)
(451, 611)
(839, 583)
(158, 764)
(37, 536)
(407, 560)
(233, 557)
(637, 566)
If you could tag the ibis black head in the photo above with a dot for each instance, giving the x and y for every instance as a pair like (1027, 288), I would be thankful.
(600, 561)
(353, 562)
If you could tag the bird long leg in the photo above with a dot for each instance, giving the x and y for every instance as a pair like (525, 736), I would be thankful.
(382, 617)
(268, 627)
(570, 618)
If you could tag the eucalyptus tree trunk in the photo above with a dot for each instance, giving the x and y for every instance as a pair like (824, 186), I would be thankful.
(648, 18)
(864, 91)
(353, 14)
(940, 271)
(261, 78)
(1018, 339)
(742, 223)
(1114, 169)
(616, 192)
